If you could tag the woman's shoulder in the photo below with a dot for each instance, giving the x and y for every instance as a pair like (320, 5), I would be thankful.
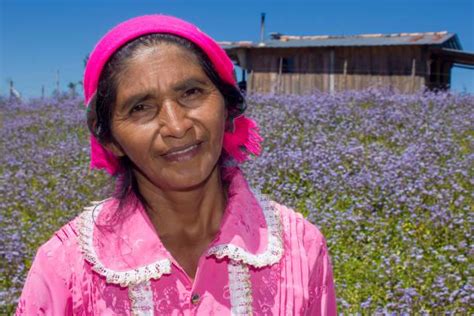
(65, 241)
(61, 244)
(299, 233)
(292, 219)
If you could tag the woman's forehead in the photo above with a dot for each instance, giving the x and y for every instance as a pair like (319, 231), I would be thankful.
(163, 48)
(163, 64)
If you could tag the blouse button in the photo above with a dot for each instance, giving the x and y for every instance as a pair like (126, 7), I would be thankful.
(195, 298)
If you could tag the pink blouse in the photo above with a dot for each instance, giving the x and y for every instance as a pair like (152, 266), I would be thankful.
(265, 260)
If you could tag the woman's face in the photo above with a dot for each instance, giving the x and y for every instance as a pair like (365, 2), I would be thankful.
(169, 118)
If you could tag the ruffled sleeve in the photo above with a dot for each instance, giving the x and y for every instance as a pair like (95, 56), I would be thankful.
(45, 291)
(322, 297)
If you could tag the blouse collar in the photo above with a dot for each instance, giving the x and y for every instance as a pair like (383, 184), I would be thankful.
(130, 251)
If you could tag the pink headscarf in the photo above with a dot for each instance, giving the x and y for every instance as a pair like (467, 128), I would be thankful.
(238, 144)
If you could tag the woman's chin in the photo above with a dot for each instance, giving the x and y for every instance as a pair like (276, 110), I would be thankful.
(186, 179)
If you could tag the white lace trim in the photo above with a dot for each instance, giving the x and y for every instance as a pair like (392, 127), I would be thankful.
(274, 249)
(124, 278)
(141, 299)
(240, 289)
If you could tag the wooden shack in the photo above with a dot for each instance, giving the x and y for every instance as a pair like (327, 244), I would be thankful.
(407, 62)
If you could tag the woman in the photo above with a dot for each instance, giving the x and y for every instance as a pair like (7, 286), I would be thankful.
(183, 233)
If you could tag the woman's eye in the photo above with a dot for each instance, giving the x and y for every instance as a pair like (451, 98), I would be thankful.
(137, 108)
(192, 92)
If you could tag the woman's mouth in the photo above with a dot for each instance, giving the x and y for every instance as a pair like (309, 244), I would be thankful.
(183, 154)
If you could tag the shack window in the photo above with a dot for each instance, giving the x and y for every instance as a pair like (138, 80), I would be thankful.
(287, 64)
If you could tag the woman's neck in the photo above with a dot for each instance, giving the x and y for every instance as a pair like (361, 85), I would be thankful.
(192, 214)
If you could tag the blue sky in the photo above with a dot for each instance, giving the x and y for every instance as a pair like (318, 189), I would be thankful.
(38, 37)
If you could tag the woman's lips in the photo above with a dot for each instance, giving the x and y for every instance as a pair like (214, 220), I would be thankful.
(183, 154)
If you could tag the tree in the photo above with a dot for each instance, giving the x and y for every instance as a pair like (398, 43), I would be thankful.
(72, 88)
(85, 60)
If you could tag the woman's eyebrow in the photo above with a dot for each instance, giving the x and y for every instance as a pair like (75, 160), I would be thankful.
(189, 82)
(136, 98)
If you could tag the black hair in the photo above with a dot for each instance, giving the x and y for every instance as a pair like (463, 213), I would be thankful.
(101, 108)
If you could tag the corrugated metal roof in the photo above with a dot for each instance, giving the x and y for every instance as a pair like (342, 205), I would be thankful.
(289, 41)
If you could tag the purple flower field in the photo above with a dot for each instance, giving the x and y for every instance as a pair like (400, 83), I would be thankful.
(388, 178)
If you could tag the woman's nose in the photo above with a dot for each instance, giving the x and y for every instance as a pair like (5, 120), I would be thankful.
(174, 120)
